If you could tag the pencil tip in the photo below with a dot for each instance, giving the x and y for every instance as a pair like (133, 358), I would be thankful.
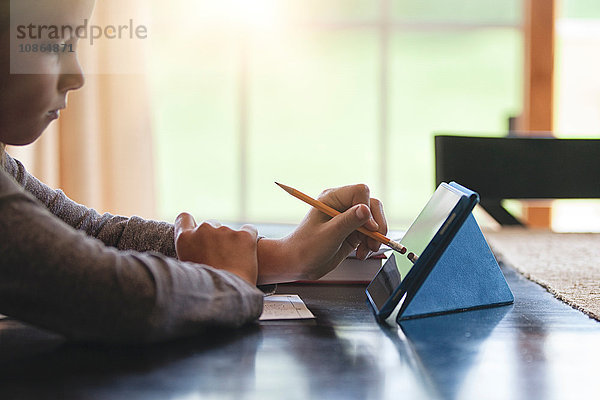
(286, 188)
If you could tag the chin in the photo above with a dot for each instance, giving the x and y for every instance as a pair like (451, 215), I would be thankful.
(28, 140)
(23, 139)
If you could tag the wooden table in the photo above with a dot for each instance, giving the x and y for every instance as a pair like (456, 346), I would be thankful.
(538, 348)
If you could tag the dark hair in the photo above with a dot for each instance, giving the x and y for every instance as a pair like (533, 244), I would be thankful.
(4, 15)
(4, 26)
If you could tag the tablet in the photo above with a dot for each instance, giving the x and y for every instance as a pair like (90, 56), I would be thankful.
(396, 283)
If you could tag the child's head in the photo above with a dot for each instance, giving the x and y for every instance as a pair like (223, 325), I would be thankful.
(30, 101)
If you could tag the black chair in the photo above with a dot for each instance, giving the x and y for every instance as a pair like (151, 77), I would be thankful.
(519, 168)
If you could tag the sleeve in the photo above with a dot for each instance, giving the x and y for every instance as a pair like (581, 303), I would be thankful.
(56, 277)
(123, 233)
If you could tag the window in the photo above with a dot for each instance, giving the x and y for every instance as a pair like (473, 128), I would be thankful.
(322, 93)
(577, 104)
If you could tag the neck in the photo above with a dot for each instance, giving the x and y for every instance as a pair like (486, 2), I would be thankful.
(2, 146)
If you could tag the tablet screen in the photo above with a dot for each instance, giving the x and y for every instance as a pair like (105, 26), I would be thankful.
(416, 239)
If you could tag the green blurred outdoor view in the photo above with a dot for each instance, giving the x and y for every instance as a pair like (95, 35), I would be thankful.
(303, 77)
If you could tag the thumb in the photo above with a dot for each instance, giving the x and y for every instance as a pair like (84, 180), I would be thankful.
(344, 224)
(250, 229)
(183, 222)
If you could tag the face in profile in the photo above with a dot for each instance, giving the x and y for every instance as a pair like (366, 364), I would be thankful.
(34, 84)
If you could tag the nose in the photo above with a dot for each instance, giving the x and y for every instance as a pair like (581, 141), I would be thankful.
(72, 76)
(71, 82)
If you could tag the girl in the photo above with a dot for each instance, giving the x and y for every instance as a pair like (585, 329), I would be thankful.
(115, 279)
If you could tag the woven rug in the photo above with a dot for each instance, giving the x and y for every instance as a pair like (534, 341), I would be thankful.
(566, 264)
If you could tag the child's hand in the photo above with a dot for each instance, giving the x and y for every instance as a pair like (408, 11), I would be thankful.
(320, 243)
(218, 246)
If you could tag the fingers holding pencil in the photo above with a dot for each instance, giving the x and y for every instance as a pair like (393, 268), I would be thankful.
(357, 217)
(344, 226)
(355, 213)
(378, 215)
(376, 227)
(356, 196)
(359, 194)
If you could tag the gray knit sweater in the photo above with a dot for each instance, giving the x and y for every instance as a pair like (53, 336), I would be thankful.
(105, 278)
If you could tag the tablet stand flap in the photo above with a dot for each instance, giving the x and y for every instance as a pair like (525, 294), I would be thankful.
(466, 276)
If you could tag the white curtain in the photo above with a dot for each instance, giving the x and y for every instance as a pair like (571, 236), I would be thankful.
(100, 150)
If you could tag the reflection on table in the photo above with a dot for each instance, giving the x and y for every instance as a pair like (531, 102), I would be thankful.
(537, 348)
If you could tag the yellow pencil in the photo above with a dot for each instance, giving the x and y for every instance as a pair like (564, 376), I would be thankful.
(333, 212)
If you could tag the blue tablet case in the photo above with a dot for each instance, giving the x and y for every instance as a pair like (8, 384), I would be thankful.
(466, 276)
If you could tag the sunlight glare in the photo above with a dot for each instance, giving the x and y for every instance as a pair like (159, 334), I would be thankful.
(254, 14)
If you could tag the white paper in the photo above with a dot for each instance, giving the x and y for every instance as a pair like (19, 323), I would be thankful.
(284, 306)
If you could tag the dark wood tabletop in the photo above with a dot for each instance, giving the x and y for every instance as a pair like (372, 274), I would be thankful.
(538, 348)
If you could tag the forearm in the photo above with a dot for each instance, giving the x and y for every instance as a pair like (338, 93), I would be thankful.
(123, 233)
(138, 234)
(60, 279)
